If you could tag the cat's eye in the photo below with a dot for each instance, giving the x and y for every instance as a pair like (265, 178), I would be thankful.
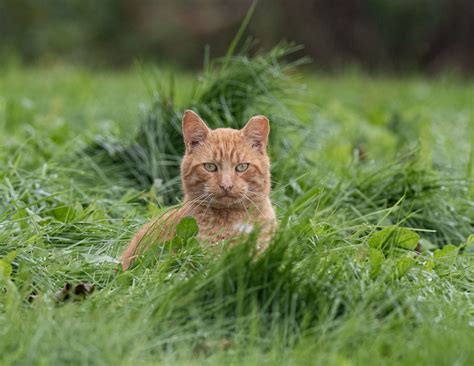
(210, 167)
(242, 167)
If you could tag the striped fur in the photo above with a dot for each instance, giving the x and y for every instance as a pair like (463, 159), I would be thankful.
(226, 203)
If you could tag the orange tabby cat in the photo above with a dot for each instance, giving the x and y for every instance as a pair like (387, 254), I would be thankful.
(225, 175)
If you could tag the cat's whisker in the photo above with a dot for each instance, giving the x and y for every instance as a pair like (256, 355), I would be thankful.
(213, 159)
(187, 206)
(240, 201)
(263, 196)
(194, 200)
(203, 198)
(257, 194)
(209, 204)
(254, 204)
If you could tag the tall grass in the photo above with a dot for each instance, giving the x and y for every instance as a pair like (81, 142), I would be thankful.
(228, 92)
(340, 284)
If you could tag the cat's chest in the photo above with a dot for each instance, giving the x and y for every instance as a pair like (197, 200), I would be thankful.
(224, 226)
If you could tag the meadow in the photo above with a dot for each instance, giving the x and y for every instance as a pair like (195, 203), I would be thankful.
(373, 184)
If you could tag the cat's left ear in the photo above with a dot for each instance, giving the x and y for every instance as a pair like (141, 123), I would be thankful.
(256, 131)
(195, 131)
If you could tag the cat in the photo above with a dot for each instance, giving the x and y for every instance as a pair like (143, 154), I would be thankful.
(226, 181)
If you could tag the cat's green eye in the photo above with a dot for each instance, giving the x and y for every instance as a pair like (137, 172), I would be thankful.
(210, 167)
(242, 167)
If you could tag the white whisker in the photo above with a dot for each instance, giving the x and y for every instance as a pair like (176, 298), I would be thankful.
(254, 204)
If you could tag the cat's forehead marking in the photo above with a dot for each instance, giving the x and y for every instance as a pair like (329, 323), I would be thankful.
(226, 144)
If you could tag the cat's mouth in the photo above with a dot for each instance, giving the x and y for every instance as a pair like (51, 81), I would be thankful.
(227, 199)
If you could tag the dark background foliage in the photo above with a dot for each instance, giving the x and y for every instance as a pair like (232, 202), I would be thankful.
(377, 35)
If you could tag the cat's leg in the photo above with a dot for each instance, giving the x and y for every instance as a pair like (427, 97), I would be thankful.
(160, 229)
(264, 240)
(266, 234)
(131, 253)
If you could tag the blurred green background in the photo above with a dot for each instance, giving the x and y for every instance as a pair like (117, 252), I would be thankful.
(375, 35)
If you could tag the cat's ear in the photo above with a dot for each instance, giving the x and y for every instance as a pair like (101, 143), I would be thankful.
(256, 131)
(195, 131)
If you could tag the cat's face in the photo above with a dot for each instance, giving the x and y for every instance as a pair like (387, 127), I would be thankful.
(225, 167)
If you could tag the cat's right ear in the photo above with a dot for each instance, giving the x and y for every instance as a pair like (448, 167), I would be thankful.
(195, 131)
(256, 131)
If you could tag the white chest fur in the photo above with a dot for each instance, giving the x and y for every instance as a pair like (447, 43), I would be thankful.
(243, 228)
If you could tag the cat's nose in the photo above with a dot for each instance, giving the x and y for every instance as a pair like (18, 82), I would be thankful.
(226, 186)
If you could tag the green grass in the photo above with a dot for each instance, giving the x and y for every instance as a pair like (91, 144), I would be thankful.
(352, 154)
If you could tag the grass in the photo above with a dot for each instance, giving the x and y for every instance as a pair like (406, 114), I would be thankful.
(227, 94)
(364, 170)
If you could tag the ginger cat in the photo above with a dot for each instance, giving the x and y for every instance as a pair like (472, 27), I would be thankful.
(226, 181)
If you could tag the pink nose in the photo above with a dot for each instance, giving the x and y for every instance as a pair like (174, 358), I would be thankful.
(226, 186)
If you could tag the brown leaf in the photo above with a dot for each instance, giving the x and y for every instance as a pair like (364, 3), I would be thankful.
(74, 292)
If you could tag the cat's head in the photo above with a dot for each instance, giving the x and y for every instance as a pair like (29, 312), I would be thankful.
(225, 167)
